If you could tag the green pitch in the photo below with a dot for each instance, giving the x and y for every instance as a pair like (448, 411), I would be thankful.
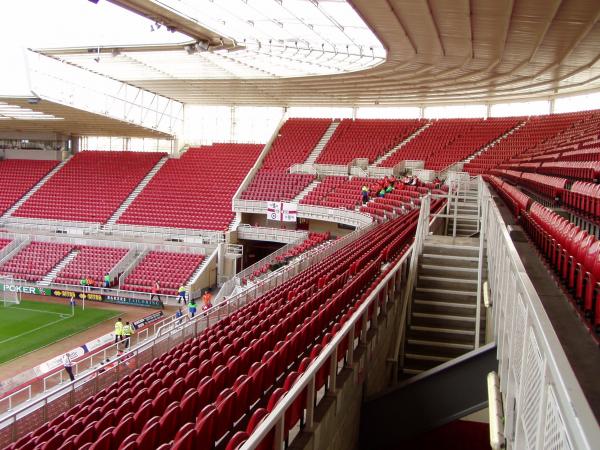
(32, 325)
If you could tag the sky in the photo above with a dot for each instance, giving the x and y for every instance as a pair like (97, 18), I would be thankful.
(65, 23)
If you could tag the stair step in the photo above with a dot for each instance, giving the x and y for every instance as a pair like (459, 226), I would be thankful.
(451, 257)
(439, 359)
(438, 349)
(464, 306)
(436, 293)
(445, 308)
(419, 332)
(430, 279)
(410, 371)
(442, 320)
(458, 273)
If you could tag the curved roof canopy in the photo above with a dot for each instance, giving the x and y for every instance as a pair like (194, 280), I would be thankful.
(311, 52)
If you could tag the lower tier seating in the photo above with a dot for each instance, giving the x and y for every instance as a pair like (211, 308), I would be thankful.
(170, 269)
(91, 263)
(35, 260)
(276, 186)
(211, 388)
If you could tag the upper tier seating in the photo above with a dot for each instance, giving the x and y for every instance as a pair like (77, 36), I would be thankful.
(194, 191)
(536, 130)
(4, 243)
(91, 262)
(170, 269)
(90, 187)
(35, 260)
(206, 389)
(296, 139)
(18, 176)
(271, 185)
(475, 134)
(365, 138)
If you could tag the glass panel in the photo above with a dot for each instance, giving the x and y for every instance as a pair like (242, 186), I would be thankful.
(520, 109)
(577, 103)
(387, 113)
(455, 111)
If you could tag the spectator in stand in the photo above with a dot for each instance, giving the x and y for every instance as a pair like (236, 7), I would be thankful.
(84, 282)
(106, 280)
(381, 192)
(192, 308)
(127, 333)
(156, 291)
(118, 330)
(414, 181)
(206, 298)
(90, 281)
(178, 316)
(181, 295)
(365, 194)
(68, 365)
(393, 180)
(437, 182)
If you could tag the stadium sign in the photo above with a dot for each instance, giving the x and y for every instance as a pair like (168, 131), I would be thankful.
(25, 289)
(131, 301)
(80, 295)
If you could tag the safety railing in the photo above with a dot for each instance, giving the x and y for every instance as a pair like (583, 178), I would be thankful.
(283, 235)
(344, 216)
(544, 405)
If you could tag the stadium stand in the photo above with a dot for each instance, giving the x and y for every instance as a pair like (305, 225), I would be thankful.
(338, 192)
(535, 131)
(470, 135)
(90, 187)
(276, 186)
(365, 138)
(570, 251)
(35, 260)
(194, 191)
(170, 269)
(294, 142)
(207, 389)
(18, 176)
(584, 198)
(4, 243)
(91, 262)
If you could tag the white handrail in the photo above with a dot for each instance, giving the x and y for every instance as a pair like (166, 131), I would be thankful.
(544, 404)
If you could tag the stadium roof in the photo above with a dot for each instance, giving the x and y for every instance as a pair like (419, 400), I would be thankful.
(436, 51)
(20, 115)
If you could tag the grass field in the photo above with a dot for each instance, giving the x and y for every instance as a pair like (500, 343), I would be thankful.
(32, 325)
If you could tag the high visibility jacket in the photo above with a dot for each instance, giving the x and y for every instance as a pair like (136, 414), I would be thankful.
(107, 278)
(119, 328)
(181, 289)
(127, 330)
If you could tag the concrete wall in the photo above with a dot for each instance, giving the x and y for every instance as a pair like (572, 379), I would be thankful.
(313, 225)
(52, 155)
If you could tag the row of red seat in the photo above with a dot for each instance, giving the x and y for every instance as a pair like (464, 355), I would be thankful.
(91, 263)
(35, 260)
(584, 199)
(366, 138)
(518, 200)
(194, 191)
(170, 269)
(573, 253)
(270, 185)
(210, 388)
(90, 187)
(19, 176)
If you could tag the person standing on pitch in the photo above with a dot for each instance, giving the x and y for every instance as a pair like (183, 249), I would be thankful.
(118, 330)
(127, 333)
(68, 365)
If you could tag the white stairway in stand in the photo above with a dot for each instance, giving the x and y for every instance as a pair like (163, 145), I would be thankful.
(139, 188)
(390, 152)
(313, 184)
(49, 278)
(322, 143)
(33, 190)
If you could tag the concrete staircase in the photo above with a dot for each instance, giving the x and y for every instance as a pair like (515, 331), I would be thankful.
(33, 190)
(139, 188)
(49, 278)
(443, 313)
(390, 152)
(313, 184)
(322, 143)
(466, 214)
